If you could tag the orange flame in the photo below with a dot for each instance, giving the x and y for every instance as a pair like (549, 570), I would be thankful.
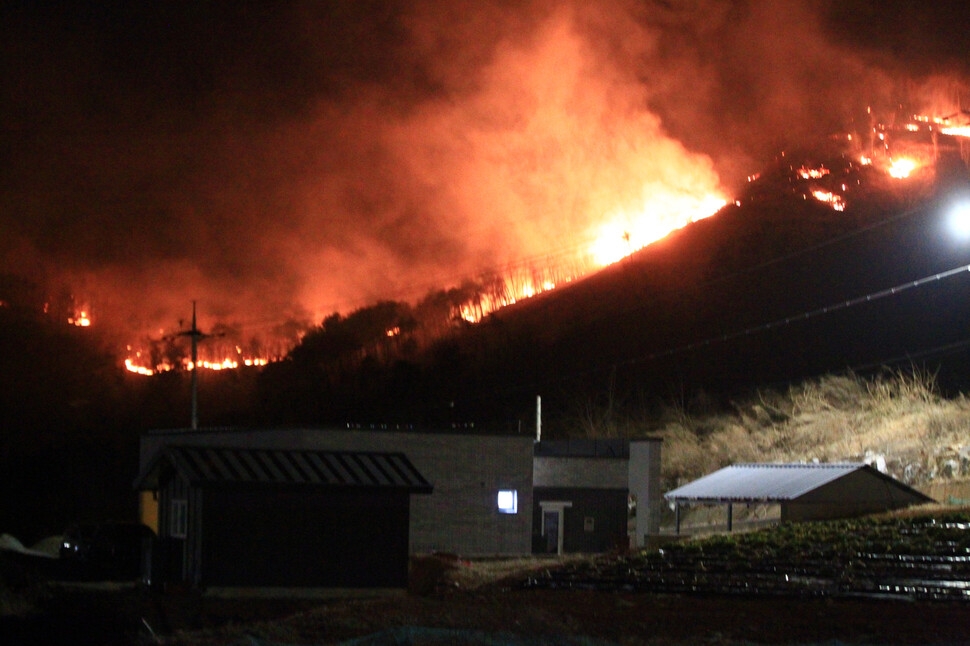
(229, 363)
(655, 219)
(80, 319)
(956, 131)
(832, 199)
(813, 173)
(901, 168)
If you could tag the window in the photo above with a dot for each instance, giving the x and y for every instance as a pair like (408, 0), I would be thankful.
(178, 523)
(508, 501)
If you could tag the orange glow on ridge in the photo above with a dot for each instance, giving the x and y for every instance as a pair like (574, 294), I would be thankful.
(664, 214)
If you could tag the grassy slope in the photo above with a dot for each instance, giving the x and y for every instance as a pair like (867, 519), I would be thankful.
(898, 419)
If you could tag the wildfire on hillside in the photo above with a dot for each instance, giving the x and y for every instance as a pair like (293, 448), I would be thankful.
(624, 234)
(138, 365)
(899, 151)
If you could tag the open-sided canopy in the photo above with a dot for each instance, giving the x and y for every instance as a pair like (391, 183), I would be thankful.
(771, 482)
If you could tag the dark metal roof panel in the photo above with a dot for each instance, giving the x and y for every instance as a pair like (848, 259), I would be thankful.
(762, 482)
(320, 468)
(583, 448)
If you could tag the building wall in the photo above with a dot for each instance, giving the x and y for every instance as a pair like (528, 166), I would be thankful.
(466, 471)
(598, 473)
(601, 480)
(595, 521)
(644, 486)
(855, 494)
(177, 557)
(304, 536)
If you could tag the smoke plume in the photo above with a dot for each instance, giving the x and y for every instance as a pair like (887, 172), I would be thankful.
(289, 161)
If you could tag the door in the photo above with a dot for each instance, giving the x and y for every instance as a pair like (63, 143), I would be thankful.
(550, 523)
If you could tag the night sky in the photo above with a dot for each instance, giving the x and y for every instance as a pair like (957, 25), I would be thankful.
(279, 160)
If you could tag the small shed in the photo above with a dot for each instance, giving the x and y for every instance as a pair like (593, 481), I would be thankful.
(803, 491)
(281, 518)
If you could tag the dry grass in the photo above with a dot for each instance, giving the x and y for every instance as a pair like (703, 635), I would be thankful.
(897, 421)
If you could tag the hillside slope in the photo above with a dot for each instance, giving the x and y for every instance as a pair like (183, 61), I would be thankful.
(757, 294)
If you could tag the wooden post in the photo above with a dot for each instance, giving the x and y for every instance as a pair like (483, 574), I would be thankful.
(730, 516)
(677, 516)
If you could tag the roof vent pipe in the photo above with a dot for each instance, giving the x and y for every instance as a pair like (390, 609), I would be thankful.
(538, 418)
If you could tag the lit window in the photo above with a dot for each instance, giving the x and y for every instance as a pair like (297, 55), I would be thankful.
(179, 522)
(508, 501)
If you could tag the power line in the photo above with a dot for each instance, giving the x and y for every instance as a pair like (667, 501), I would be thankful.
(940, 350)
(828, 309)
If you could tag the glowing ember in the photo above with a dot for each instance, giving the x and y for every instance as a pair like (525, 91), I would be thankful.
(394, 331)
(901, 168)
(80, 319)
(832, 199)
(865, 161)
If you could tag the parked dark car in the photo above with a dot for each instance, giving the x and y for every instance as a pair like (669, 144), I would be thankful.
(107, 551)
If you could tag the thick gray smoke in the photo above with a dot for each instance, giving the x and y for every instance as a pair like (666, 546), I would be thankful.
(289, 161)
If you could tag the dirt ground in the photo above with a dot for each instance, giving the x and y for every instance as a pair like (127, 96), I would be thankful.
(484, 597)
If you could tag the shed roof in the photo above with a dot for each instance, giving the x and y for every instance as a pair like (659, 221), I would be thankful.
(769, 482)
(209, 465)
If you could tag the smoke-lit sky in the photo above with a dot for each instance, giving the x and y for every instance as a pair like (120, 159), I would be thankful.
(296, 158)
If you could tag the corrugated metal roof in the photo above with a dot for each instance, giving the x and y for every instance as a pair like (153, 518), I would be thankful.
(762, 482)
(200, 464)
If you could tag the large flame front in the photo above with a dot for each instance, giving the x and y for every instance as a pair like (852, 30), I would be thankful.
(623, 234)
(626, 233)
(135, 364)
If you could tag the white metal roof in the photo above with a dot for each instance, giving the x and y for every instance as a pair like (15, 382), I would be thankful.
(762, 482)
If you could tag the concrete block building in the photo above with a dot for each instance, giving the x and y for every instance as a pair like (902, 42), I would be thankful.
(472, 494)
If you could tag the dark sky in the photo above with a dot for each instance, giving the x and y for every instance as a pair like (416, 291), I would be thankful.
(293, 158)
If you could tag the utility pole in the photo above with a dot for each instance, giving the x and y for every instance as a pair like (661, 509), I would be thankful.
(195, 334)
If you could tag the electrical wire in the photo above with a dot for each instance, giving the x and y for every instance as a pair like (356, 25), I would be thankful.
(803, 316)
